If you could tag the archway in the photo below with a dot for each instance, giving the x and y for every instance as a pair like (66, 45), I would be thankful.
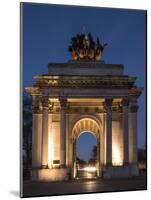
(86, 156)
(82, 126)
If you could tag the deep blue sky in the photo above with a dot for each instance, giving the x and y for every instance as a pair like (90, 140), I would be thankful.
(86, 152)
(47, 30)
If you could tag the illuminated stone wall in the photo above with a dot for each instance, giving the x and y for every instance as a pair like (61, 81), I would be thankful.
(56, 140)
(36, 140)
(117, 144)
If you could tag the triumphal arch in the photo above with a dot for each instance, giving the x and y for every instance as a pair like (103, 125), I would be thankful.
(84, 94)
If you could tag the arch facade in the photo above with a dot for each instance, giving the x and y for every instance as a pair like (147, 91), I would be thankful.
(84, 96)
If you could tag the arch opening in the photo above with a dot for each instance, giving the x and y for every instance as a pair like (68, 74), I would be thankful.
(86, 149)
(86, 156)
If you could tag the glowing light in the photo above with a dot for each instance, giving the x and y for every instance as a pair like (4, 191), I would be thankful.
(90, 169)
(50, 147)
(89, 175)
(116, 159)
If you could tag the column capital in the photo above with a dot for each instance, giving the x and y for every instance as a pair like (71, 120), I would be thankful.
(50, 106)
(45, 102)
(36, 110)
(37, 105)
(125, 101)
(63, 102)
(134, 108)
(108, 101)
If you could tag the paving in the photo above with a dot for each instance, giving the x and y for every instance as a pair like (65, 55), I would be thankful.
(81, 186)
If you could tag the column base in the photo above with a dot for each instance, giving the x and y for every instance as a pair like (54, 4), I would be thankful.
(126, 171)
(54, 174)
(44, 166)
(62, 166)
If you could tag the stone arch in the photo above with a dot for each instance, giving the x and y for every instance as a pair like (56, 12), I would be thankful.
(88, 116)
(86, 123)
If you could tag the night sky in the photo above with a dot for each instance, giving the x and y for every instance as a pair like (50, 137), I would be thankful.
(85, 151)
(47, 30)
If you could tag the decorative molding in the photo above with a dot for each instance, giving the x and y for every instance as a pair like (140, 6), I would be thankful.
(108, 102)
(45, 102)
(36, 105)
(36, 110)
(134, 108)
(33, 91)
(125, 102)
(86, 82)
(63, 102)
(50, 106)
(135, 91)
(117, 109)
(89, 110)
(86, 109)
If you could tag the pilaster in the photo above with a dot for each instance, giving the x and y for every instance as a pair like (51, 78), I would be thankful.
(63, 104)
(36, 132)
(45, 133)
(108, 105)
(125, 104)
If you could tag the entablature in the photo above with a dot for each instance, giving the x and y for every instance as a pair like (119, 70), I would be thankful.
(84, 82)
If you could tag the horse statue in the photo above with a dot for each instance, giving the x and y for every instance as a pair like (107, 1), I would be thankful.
(83, 47)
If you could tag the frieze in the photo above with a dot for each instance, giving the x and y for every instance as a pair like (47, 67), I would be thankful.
(80, 92)
(93, 82)
(85, 110)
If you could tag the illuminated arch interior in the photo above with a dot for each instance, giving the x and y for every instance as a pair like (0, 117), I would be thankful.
(82, 126)
(86, 125)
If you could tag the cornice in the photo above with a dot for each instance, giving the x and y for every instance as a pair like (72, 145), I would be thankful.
(33, 91)
(120, 82)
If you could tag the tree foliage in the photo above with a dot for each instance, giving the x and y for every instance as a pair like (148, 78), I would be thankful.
(27, 131)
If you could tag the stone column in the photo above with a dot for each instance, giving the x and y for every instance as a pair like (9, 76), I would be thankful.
(45, 133)
(63, 103)
(108, 132)
(133, 131)
(50, 137)
(125, 103)
(36, 133)
(98, 156)
(75, 173)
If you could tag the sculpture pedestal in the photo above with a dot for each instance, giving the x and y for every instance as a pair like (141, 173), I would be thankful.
(55, 174)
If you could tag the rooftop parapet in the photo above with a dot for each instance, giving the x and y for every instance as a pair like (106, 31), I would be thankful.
(78, 68)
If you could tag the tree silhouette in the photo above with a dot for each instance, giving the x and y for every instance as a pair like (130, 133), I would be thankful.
(94, 152)
(27, 134)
